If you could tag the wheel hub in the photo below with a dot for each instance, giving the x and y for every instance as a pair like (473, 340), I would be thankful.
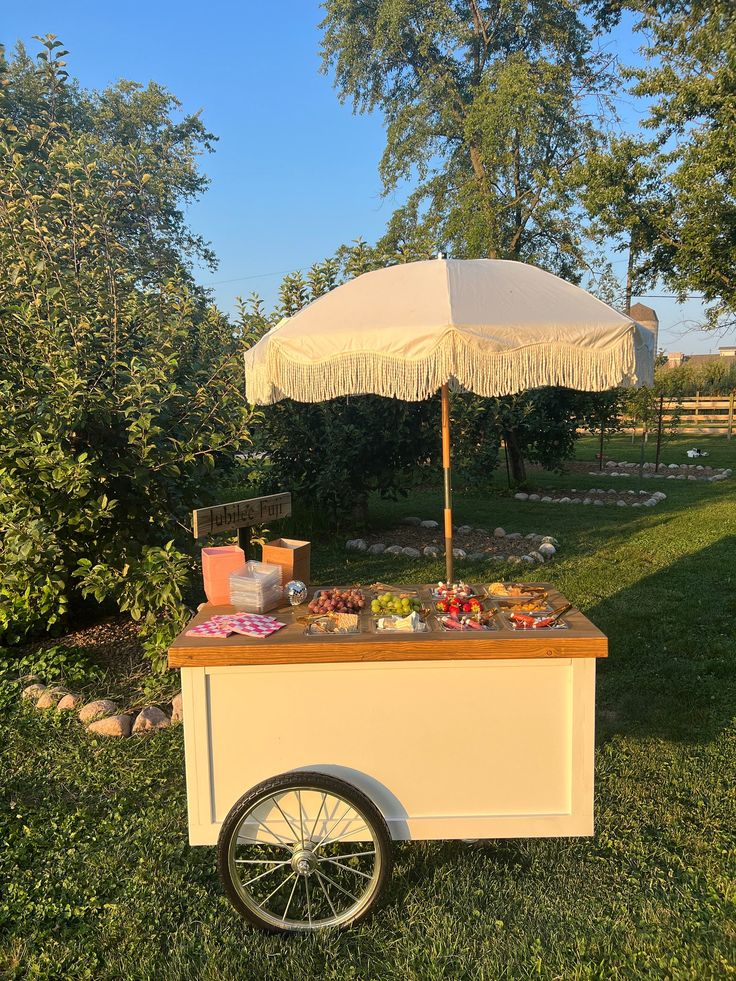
(303, 861)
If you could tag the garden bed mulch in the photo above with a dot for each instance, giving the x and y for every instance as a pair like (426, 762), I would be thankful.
(112, 642)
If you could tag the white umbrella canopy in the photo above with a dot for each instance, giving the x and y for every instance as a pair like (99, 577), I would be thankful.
(489, 326)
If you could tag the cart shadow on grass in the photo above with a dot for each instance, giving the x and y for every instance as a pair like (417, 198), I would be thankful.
(671, 670)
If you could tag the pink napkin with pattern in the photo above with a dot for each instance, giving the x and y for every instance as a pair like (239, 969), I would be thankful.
(246, 624)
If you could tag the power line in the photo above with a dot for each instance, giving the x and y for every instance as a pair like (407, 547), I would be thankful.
(240, 279)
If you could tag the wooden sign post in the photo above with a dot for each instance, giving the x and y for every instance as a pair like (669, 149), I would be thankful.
(241, 516)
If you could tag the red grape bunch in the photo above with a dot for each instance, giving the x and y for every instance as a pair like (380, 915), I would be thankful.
(337, 601)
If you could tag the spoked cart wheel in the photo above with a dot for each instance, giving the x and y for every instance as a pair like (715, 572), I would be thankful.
(304, 851)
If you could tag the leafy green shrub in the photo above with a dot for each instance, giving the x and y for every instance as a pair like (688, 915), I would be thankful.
(62, 662)
(121, 404)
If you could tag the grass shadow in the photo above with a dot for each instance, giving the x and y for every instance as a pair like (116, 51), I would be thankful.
(671, 671)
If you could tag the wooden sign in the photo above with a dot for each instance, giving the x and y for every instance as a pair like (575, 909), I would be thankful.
(240, 514)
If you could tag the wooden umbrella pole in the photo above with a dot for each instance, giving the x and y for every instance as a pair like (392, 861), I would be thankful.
(448, 479)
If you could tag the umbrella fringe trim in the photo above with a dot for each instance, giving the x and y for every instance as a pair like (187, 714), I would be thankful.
(454, 360)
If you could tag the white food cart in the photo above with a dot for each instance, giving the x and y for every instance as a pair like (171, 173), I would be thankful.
(306, 756)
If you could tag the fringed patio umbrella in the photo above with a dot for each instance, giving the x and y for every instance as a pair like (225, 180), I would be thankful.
(489, 326)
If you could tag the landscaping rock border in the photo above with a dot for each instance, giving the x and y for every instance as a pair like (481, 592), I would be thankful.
(672, 471)
(101, 716)
(532, 548)
(598, 496)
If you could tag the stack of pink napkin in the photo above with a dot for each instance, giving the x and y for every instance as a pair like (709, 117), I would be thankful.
(247, 624)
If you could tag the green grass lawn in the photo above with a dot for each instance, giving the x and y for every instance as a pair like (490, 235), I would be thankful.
(99, 881)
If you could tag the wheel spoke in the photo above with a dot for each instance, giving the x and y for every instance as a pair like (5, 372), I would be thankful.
(345, 834)
(327, 895)
(279, 886)
(263, 874)
(325, 858)
(293, 829)
(301, 819)
(309, 904)
(265, 844)
(349, 868)
(291, 896)
(279, 838)
(314, 826)
(340, 888)
(335, 824)
(262, 861)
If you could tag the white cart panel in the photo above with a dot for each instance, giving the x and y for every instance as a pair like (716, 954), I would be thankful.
(445, 749)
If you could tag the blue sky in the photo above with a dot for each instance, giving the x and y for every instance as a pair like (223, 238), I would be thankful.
(294, 174)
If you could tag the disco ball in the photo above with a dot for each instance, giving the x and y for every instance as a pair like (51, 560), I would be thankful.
(296, 591)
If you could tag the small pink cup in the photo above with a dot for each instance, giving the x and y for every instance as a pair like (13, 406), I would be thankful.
(217, 564)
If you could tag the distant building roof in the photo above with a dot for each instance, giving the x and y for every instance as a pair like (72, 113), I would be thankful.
(675, 358)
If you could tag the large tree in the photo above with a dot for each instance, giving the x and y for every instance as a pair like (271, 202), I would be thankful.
(623, 190)
(487, 106)
(690, 80)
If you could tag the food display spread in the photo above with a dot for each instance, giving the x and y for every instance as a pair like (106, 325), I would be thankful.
(431, 615)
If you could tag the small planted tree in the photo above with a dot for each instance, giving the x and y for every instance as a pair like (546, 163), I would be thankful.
(121, 399)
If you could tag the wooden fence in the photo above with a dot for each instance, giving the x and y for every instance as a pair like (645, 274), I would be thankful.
(708, 415)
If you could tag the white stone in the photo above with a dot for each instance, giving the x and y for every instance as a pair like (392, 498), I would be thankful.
(528, 559)
(537, 556)
(93, 710)
(49, 697)
(68, 702)
(377, 549)
(459, 553)
(514, 536)
(499, 533)
(598, 504)
(587, 500)
(112, 725)
(534, 497)
(430, 524)
(576, 500)
(395, 549)
(546, 500)
(621, 504)
(521, 497)
(547, 549)
(358, 545)
(33, 692)
(464, 530)
(431, 552)
(564, 500)
(149, 718)
(411, 553)
(659, 496)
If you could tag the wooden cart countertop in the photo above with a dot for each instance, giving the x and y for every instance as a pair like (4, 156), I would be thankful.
(291, 645)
